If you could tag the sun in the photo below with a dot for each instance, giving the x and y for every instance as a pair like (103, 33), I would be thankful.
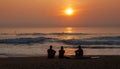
(69, 11)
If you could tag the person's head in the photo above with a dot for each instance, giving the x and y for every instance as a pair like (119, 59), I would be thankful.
(61, 47)
(79, 47)
(50, 46)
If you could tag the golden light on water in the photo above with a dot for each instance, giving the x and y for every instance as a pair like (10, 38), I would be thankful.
(70, 51)
(69, 30)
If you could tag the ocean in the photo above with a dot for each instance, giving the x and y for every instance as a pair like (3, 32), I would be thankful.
(22, 42)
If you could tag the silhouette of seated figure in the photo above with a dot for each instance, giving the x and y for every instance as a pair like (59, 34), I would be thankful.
(61, 52)
(79, 52)
(51, 52)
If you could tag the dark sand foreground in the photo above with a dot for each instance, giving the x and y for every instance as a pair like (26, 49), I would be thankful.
(104, 62)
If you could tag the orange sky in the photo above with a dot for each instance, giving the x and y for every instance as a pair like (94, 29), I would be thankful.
(48, 13)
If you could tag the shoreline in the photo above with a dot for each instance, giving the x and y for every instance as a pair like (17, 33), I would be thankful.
(42, 62)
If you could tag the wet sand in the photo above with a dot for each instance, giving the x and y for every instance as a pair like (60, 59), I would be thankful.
(104, 62)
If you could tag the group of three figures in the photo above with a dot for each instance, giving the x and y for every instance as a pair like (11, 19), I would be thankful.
(51, 52)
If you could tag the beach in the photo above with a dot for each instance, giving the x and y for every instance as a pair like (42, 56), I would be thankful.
(81, 34)
(103, 62)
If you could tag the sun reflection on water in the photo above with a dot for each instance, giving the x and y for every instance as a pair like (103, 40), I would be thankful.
(70, 51)
(69, 30)
(69, 37)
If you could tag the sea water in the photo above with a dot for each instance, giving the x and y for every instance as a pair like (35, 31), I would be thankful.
(20, 42)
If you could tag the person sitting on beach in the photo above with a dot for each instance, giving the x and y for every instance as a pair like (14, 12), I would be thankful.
(61, 52)
(79, 52)
(51, 52)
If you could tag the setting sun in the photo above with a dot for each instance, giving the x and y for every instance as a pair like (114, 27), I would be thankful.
(69, 11)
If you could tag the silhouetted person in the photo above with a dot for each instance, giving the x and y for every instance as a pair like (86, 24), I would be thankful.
(51, 52)
(79, 52)
(61, 52)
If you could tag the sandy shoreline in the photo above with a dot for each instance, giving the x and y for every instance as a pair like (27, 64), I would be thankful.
(104, 62)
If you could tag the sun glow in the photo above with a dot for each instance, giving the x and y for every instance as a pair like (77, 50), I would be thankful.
(69, 11)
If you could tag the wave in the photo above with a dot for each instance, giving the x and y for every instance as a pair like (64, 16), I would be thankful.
(82, 42)
(108, 40)
(105, 38)
(94, 46)
(23, 40)
(53, 34)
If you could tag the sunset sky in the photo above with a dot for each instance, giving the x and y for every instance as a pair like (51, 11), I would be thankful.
(50, 13)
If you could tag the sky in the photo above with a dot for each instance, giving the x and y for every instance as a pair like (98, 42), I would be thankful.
(49, 13)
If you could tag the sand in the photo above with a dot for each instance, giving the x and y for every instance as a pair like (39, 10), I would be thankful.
(104, 62)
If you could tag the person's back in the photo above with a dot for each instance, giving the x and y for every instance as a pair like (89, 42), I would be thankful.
(51, 52)
(61, 52)
(79, 52)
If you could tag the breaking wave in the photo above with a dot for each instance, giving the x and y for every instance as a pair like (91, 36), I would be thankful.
(23, 40)
(108, 40)
(92, 42)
